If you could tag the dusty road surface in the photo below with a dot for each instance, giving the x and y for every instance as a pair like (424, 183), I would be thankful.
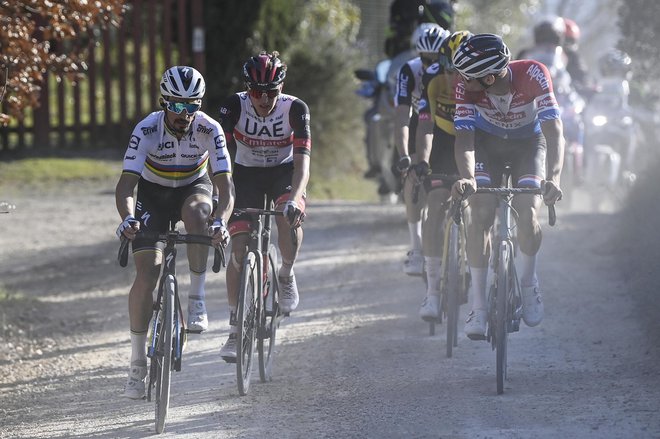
(354, 361)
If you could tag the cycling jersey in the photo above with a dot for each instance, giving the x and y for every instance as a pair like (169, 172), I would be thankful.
(266, 141)
(409, 84)
(438, 92)
(532, 101)
(155, 153)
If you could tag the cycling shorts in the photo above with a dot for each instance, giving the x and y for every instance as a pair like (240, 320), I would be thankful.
(442, 160)
(525, 156)
(158, 205)
(253, 184)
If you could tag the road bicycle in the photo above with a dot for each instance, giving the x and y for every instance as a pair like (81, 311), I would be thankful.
(258, 314)
(167, 332)
(455, 274)
(504, 297)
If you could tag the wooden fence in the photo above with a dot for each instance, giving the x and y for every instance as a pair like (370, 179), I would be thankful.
(121, 84)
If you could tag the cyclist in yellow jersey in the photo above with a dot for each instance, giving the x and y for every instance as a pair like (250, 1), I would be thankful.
(436, 154)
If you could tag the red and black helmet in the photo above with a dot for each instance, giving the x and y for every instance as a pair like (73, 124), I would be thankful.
(264, 71)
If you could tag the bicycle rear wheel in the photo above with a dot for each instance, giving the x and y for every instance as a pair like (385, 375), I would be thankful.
(269, 318)
(164, 354)
(247, 322)
(504, 285)
(452, 288)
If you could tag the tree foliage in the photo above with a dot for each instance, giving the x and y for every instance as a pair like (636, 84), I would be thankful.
(640, 29)
(37, 36)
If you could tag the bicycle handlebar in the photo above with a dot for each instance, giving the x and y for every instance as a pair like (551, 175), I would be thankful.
(447, 182)
(503, 191)
(259, 211)
(176, 238)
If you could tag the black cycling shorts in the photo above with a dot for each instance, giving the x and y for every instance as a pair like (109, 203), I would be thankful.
(157, 205)
(253, 184)
(442, 160)
(525, 156)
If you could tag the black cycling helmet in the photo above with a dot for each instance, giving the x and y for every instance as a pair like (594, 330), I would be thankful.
(437, 11)
(264, 71)
(614, 63)
(550, 31)
(481, 55)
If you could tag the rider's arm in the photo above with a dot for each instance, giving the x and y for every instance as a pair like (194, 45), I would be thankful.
(401, 132)
(299, 119)
(465, 162)
(224, 184)
(124, 194)
(554, 138)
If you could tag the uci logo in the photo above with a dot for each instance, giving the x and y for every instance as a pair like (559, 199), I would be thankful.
(165, 145)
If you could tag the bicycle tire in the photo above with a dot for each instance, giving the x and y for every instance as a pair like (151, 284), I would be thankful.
(163, 379)
(501, 300)
(452, 288)
(247, 322)
(269, 318)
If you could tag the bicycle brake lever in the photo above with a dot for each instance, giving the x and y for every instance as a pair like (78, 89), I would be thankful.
(122, 255)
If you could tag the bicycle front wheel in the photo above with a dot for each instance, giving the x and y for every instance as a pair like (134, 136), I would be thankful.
(164, 354)
(504, 284)
(247, 321)
(452, 289)
(269, 318)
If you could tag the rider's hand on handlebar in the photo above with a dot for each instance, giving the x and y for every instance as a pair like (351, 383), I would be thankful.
(422, 169)
(403, 164)
(128, 228)
(463, 188)
(219, 233)
(551, 192)
(293, 214)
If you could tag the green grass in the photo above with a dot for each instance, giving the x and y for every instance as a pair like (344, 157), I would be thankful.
(53, 172)
(44, 173)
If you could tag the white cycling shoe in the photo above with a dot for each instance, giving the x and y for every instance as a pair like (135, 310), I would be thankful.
(414, 263)
(198, 320)
(532, 306)
(288, 300)
(135, 385)
(476, 324)
(429, 311)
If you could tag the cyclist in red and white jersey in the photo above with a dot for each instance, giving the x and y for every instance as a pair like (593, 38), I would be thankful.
(168, 157)
(506, 113)
(271, 134)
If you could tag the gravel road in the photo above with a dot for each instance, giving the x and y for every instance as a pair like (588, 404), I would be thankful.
(354, 361)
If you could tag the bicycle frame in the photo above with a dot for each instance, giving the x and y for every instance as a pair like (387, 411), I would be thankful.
(167, 330)
(504, 299)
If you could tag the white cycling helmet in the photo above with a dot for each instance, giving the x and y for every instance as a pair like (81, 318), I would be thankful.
(430, 39)
(182, 82)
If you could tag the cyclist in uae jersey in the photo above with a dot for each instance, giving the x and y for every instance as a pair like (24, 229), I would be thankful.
(436, 154)
(506, 113)
(271, 134)
(427, 40)
(168, 157)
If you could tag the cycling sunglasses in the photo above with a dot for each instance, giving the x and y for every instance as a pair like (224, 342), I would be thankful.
(257, 94)
(178, 107)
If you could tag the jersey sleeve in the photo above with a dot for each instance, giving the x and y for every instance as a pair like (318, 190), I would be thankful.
(136, 152)
(230, 111)
(219, 158)
(465, 115)
(540, 83)
(405, 83)
(299, 119)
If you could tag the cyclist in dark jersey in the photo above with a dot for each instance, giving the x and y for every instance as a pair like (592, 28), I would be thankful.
(271, 134)
(506, 112)
(428, 39)
(168, 157)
